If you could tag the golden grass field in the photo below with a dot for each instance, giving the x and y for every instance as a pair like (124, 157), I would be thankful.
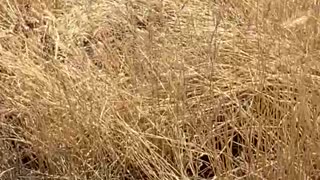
(159, 89)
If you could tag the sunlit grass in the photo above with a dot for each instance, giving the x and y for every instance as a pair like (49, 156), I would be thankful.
(166, 89)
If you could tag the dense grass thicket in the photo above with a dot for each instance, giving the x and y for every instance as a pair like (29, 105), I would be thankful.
(159, 89)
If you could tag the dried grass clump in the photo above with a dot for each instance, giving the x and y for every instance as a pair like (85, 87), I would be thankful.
(159, 89)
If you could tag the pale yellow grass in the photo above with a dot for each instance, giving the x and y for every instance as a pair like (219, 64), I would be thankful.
(150, 89)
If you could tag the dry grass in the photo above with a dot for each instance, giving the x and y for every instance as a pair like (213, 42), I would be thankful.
(150, 89)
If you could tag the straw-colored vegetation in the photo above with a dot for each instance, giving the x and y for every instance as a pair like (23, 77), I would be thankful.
(159, 89)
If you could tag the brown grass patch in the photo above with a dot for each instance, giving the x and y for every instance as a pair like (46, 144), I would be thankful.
(159, 89)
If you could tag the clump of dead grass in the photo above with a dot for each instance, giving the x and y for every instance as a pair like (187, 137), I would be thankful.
(159, 89)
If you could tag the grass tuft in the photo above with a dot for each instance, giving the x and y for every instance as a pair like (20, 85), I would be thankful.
(168, 89)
